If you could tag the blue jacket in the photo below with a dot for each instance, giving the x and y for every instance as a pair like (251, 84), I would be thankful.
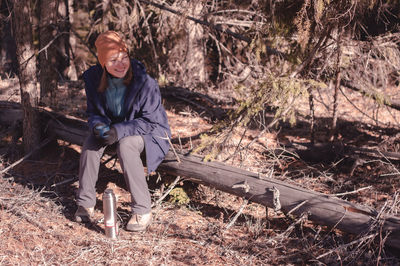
(144, 114)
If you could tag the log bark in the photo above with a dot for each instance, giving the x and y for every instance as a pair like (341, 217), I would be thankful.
(322, 208)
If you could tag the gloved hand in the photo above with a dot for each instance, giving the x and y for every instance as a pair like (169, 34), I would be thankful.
(110, 137)
(100, 129)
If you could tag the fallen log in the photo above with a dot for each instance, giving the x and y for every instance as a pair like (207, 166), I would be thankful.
(331, 151)
(322, 208)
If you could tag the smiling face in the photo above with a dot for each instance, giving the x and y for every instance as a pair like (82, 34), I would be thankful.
(118, 64)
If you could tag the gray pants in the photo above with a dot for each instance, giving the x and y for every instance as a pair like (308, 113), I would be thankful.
(128, 150)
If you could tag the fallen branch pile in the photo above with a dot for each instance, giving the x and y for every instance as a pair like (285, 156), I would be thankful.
(321, 208)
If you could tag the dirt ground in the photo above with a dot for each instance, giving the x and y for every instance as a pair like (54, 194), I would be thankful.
(193, 226)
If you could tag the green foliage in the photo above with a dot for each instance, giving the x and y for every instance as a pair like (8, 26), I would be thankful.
(259, 47)
(379, 97)
(208, 141)
(179, 196)
(276, 93)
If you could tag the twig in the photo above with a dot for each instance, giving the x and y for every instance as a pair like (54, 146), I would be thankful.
(180, 142)
(298, 206)
(217, 27)
(171, 187)
(358, 109)
(84, 42)
(345, 246)
(172, 146)
(240, 142)
(350, 192)
(246, 189)
(52, 116)
(232, 222)
(44, 48)
(272, 123)
(195, 104)
(26, 156)
(65, 181)
(287, 232)
(19, 213)
(110, 159)
(147, 26)
(202, 22)
(219, 53)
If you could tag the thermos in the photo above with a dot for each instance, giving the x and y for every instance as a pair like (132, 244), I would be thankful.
(110, 214)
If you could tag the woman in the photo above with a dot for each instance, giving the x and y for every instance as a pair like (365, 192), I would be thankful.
(124, 108)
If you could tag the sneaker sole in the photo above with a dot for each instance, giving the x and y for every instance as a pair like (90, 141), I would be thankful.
(82, 219)
(134, 228)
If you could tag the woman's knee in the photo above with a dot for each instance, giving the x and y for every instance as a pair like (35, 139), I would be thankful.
(131, 144)
(91, 148)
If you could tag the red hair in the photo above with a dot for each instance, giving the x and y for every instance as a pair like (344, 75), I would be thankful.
(104, 81)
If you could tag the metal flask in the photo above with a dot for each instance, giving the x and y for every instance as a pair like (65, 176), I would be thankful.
(110, 214)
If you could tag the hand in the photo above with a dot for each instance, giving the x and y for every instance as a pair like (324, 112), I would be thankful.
(99, 130)
(110, 137)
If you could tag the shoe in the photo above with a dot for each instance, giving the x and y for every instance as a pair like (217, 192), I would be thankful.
(139, 222)
(84, 215)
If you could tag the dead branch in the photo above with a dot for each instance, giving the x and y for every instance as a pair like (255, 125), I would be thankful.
(303, 217)
(239, 212)
(171, 187)
(342, 247)
(351, 192)
(41, 145)
(10, 207)
(392, 104)
(217, 27)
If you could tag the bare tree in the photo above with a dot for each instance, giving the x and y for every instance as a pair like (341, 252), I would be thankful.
(27, 73)
(66, 42)
(48, 54)
(8, 60)
(185, 44)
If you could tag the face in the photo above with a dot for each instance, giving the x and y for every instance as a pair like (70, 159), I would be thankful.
(118, 64)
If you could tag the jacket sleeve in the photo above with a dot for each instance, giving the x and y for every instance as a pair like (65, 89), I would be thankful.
(149, 114)
(94, 110)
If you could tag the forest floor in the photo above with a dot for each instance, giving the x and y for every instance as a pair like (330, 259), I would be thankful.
(37, 197)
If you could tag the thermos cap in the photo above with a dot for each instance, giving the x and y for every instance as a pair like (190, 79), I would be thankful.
(108, 191)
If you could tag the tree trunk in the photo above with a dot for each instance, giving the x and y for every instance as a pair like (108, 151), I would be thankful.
(27, 73)
(67, 41)
(195, 53)
(186, 47)
(8, 60)
(71, 70)
(48, 55)
(337, 85)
